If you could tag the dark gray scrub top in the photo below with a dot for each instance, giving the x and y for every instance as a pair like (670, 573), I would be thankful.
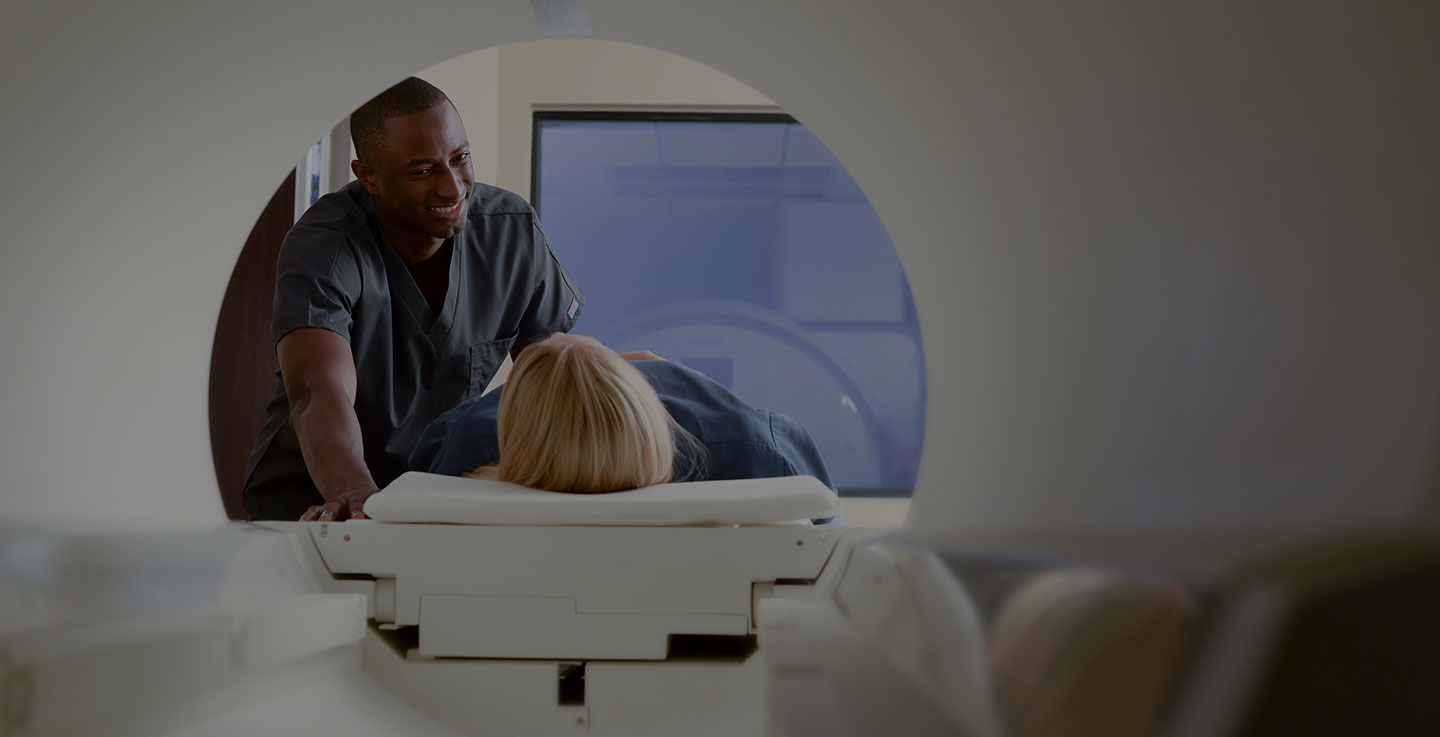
(337, 271)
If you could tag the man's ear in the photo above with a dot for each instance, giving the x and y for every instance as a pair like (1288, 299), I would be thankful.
(366, 175)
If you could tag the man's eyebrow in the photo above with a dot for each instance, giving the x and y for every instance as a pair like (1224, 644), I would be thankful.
(419, 162)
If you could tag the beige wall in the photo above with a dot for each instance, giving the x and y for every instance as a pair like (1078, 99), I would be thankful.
(498, 89)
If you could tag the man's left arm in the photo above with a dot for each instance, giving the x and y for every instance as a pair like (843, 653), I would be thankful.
(555, 300)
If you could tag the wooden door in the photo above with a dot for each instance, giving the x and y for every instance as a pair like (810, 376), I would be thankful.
(242, 362)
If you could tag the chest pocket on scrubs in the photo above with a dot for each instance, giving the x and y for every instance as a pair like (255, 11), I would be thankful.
(485, 360)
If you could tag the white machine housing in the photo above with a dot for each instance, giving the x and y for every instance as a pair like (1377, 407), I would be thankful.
(616, 587)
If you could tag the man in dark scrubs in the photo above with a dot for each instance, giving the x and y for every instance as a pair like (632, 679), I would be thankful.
(396, 298)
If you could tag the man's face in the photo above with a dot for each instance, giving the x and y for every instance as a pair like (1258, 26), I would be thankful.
(421, 177)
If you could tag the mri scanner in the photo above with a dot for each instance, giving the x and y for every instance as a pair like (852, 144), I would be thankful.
(1177, 276)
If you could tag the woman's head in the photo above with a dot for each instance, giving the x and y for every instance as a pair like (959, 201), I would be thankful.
(575, 416)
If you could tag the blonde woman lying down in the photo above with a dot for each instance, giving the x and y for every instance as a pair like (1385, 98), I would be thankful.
(575, 416)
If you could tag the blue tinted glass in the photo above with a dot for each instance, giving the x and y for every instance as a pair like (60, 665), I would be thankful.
(744, 250)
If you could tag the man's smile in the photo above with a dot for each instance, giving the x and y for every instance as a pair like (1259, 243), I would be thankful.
(446, 210)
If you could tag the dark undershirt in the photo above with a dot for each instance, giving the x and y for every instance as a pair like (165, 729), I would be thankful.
(433, 276)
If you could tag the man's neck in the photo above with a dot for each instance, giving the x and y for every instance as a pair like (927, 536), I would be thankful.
(413, 248)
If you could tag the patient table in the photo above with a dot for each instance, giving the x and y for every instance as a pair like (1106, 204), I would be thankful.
(476, 607)
(467, 607)
(497, 608)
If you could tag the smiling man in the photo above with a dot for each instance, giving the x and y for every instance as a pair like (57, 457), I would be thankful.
(396, 298)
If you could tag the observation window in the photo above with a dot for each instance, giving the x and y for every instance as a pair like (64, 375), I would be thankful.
(736, 244)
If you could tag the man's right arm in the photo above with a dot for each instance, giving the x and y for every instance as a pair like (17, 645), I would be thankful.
(319, 375)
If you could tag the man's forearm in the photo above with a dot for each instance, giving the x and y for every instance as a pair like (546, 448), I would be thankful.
(333, 447)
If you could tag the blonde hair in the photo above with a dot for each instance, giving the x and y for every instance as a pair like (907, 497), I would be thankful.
(577, 417)
(1089, 653)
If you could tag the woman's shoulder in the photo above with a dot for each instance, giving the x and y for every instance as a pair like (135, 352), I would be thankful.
(460, 439)
(680, 380)
(707, 409)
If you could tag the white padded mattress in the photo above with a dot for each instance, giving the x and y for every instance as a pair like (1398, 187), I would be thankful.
(426, 497)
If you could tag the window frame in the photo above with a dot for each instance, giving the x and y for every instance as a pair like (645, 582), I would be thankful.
(539, 117)
(909, 324)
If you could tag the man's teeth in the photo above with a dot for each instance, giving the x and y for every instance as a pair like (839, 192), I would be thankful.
(447, 210)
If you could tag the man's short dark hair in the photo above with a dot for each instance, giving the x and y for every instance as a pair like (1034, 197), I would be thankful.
(367, 124)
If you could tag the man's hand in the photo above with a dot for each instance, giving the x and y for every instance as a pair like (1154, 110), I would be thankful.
(350, 505)
(320, 380)
(641, 356)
